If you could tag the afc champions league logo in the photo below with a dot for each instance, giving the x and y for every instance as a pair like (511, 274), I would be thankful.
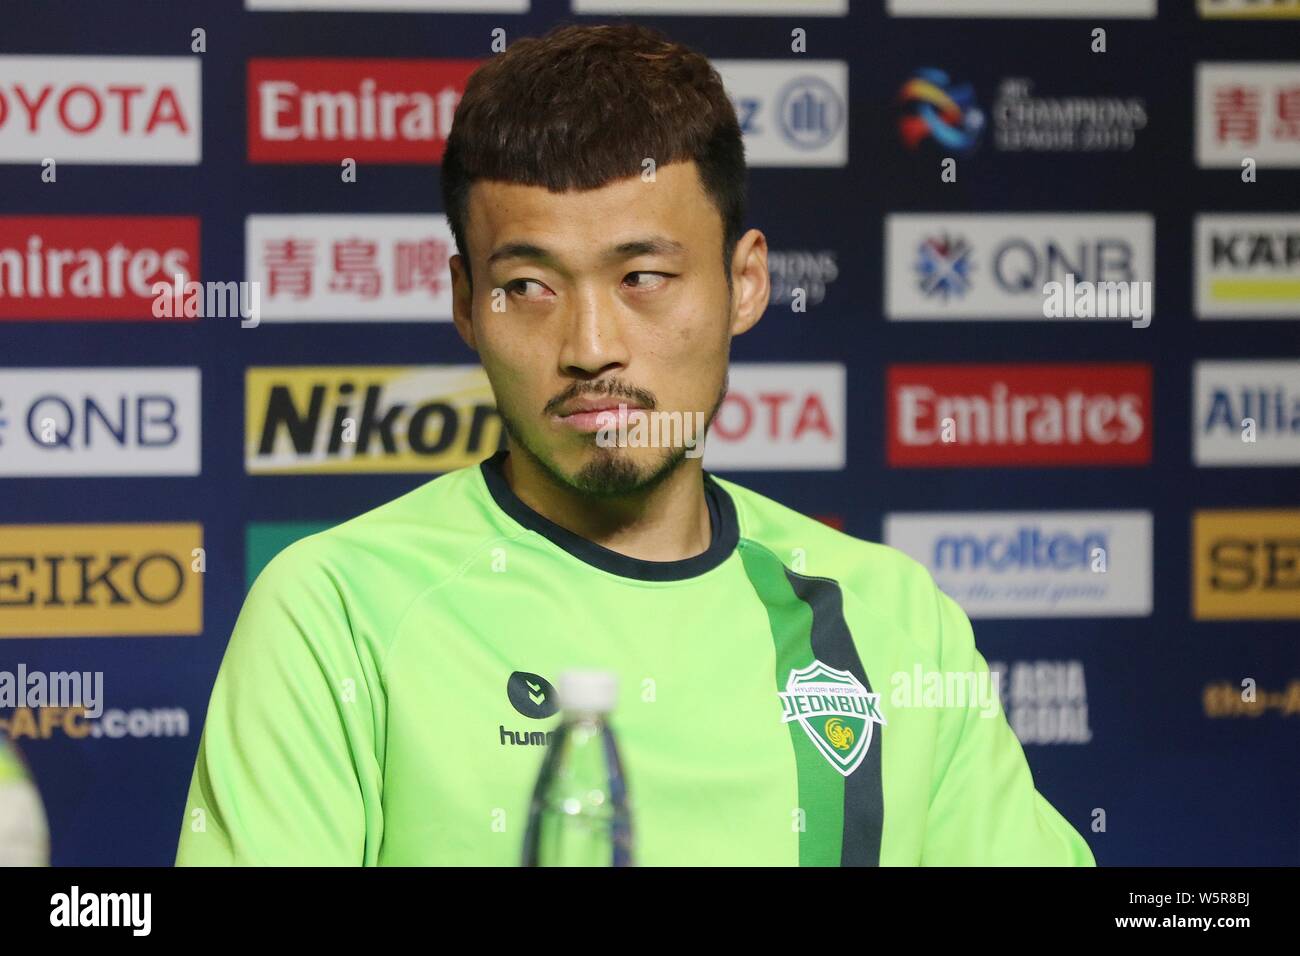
(935, 108)
(836, 712)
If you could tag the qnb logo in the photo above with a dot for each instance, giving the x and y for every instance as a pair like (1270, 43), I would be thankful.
(75, 908)
(1024, 265)
(1098, 300)
(1026, 548)
(94, 421)
(936, 109)
(944, 265)
(811, 112)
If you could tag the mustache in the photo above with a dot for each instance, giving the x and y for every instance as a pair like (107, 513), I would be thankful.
(638, 396)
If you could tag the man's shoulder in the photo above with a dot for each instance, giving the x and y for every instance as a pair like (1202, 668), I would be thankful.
(396, 549)
(809, 546)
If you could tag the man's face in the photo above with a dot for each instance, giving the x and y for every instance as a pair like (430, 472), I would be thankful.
(605, 297)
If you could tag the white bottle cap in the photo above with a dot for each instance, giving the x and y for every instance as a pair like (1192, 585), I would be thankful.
(588, 691)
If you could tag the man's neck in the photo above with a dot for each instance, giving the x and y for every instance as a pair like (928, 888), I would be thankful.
(667, 523)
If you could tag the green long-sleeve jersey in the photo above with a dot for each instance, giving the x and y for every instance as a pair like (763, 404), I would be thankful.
(387, 692)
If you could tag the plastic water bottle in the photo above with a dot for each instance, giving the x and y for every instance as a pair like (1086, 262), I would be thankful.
(579, 814)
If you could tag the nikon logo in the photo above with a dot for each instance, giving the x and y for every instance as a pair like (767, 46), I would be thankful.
(371, 419)
(101, 580)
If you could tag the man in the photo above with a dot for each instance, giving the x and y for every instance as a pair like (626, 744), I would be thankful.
(385, 695)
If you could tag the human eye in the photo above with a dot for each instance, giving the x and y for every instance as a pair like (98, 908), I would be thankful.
(658, 280)
(519, 286)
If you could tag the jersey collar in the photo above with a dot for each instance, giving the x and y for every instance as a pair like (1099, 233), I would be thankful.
(722, 516)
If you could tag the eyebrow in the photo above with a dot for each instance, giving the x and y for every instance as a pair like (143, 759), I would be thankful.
(649, 246)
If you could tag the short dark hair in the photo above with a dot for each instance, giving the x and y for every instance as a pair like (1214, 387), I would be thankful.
(583, 106)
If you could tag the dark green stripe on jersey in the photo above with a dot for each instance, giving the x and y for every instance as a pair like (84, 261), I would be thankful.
(832, 644)
(842, 816)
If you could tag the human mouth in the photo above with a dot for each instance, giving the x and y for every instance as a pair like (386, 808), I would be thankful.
(591, 415)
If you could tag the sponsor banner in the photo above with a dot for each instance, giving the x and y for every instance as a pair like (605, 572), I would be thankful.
(780, 417)
(945, 112)
(1246, 564)
(1046, 701)
(350, 267)
(791, 112)
(1021, 8)
(264, 540)
(1018, 415)
(1246, 413)
(368, 419)
(137, 110)
(115, 723)
(100, 580)
(747, 8)
(1018, 564)
(1248, 110)
(982, 266)
(92, 267)
(1026, 120)
(1228, 699)
(371, 110)
(394, 6)
(1248, 266)
(99, 421)
(1249, 9)
(792, 270)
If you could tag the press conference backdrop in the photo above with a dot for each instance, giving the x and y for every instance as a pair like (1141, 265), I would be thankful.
(1112, 500)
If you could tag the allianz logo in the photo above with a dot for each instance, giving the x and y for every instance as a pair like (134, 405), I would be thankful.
(1026, 548)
